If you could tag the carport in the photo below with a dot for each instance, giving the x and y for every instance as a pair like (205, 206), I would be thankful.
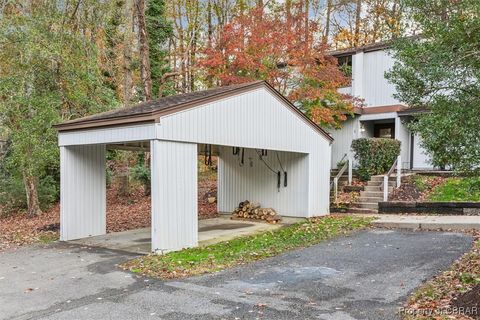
(268, 151)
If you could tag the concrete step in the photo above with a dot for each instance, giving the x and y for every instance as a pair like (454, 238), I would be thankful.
(377, 188)
(371, 194)
(371, 199)
(377, 183)
(368, 205)
(341, 178)
(380, 178)
(362, 210)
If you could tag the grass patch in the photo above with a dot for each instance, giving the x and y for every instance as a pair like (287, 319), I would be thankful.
(48, 237)
(457, 189)
(241, 250)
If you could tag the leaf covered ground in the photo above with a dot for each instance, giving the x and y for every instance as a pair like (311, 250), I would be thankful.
(438, 298)
(416, 188)
(123, 213)
(244, 249)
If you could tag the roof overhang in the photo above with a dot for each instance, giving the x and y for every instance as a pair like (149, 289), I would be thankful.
(413, 111)
(379, 109)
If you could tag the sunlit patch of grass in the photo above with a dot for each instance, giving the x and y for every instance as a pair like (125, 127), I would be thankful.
(245, 249)
(457, 189)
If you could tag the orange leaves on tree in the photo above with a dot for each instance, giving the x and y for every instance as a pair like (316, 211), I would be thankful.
(282, 47)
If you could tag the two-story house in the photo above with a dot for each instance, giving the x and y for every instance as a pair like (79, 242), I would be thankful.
(382, 116)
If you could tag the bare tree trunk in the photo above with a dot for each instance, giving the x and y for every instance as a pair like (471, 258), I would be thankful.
(31, 189)
(357, 22)
(145, 72)
(127, 53)
(327, 21)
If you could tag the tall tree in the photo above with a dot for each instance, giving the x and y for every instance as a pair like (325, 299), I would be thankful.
(48, 72)
(127, 52)
(441, 72)
(145, 70)
(260, 45)
(358, 17)
(159, 31)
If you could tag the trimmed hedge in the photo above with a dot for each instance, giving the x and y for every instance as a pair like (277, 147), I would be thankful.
(375, 155)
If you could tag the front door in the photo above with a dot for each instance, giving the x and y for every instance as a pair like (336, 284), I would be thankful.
(384, 130)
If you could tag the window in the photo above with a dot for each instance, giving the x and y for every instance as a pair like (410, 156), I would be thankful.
(345, 65)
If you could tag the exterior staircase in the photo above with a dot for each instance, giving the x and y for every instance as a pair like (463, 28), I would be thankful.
(342, 181)
(372, 195)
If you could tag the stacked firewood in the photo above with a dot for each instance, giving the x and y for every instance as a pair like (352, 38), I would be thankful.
(252, 210)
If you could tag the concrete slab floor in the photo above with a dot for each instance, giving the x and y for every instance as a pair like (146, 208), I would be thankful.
(210, 231)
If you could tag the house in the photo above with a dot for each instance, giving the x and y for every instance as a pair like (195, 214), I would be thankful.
(269, 152)
(382, 116)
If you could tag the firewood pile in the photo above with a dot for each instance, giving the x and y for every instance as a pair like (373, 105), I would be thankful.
(253, 211)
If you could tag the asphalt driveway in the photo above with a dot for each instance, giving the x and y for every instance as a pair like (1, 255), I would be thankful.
(367, 275)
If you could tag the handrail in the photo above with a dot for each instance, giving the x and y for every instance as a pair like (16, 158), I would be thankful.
(348, 165)
(344, 156)
(398, 164)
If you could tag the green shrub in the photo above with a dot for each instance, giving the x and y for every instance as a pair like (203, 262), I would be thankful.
(13, 196)
(141, 173)
(375, 155)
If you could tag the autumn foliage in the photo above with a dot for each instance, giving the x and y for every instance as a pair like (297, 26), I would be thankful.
(282, 47)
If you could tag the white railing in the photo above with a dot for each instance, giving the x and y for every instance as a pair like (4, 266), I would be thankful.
(348, 165)
(398, 164)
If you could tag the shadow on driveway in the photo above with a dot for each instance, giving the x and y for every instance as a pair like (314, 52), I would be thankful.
(366, 275)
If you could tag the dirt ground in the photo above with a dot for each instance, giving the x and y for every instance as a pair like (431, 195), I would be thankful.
(123, 213)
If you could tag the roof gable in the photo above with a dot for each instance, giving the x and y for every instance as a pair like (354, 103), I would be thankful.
(151, 111)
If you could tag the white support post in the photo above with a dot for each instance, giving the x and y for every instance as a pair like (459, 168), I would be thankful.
(385, 188)
(399, 171)
(350, 170)
(82, 192)
(174, 195)
(335, 188)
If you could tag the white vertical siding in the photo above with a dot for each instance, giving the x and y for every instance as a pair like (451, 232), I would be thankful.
(255, 182)
(319, 182)
(376, 90)
(343, 140)
(82, 192)
(256, 119)
(174, 195)
(421, 160)
(358, 70)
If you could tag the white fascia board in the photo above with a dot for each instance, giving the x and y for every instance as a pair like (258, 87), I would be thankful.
(378, 116)
(107, 135)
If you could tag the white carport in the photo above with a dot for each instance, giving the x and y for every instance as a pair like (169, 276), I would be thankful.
(247, 119)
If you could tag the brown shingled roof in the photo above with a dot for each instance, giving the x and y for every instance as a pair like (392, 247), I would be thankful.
(151, 111)
(164, 103)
